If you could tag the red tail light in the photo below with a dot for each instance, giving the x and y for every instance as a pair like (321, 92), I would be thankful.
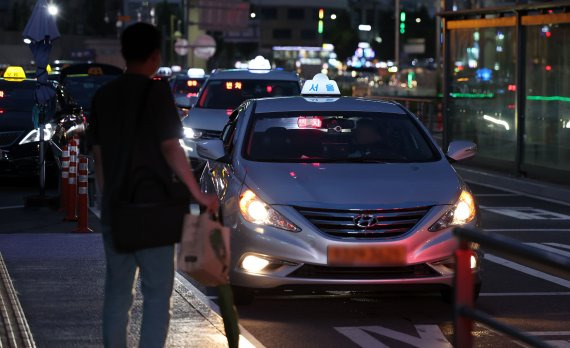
(228, 112)
(1, 111)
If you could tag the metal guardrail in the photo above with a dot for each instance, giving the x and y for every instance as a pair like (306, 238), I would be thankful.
(465, 313)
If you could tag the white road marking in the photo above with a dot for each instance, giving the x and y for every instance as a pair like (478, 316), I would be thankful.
(430, 336)
(12, 207)
(496, 195)
(520, 193)
(527, 213)
(509, 294)
(528, 270)
(550, 249)
(563, 246)
(527, 230)
(549, 333)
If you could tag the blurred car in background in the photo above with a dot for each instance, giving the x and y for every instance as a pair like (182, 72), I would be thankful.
(19, 124)
(224, 91)
(185, 86)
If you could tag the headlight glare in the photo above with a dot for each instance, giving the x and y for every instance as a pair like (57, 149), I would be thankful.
(34, 135)
(191, 133)
(258, 212)
(463, 211)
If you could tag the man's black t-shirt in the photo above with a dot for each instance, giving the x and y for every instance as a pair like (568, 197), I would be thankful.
(114, 114)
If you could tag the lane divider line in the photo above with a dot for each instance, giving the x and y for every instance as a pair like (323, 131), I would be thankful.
(11, 313)
(526, 230)
(519, 193)
(496, 195)
(12, 207)
(527, 270)
(522, 294)
(210, 310)
(550, 249)
(563, 246)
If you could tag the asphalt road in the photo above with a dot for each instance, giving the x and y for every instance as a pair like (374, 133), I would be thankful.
(532, 301)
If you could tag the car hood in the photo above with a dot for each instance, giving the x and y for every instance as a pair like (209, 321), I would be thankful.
(354, 186)
(13, 120)
(210, 119)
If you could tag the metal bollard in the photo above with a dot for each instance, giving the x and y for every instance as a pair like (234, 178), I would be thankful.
(83, 196)
(72, 187)
(63, 188)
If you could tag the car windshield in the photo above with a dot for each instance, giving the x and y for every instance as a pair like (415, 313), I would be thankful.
(186, 87)
(83, 88)
(17, 96)
(339, 137)
(229, 94)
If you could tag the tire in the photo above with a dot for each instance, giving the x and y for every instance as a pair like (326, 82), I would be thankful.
(243, 296)
(448, 294)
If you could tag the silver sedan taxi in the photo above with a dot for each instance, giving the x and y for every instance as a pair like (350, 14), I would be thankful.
(331, 192)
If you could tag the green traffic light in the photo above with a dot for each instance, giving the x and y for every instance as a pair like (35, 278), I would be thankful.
(320, 28)
(403, 16)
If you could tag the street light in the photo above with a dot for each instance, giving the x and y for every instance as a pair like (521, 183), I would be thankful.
(333, 16)
(52, 9)
(252, 15)
(418, 20)
(27, 41)
(364, 27)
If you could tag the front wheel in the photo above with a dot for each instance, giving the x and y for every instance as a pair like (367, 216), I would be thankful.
(448, 294)
(243, 296)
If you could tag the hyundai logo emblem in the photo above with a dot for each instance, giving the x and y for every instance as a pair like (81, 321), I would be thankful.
(365, 221)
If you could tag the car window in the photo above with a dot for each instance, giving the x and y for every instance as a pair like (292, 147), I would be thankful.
(229, 94)
(228, 135)
(187, 87)
(83, 88)
(18, 96)
(342, 137)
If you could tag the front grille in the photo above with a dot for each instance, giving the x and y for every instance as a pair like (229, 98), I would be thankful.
(210, 134)
(367, 273)
(383, 223)
(9, 138)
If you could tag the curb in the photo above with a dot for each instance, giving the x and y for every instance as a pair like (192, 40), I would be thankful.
(529, 187)
(14, 330)
(210, 310)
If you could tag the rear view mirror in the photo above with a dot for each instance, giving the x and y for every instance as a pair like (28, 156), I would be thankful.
(212, 150)
(460, 150)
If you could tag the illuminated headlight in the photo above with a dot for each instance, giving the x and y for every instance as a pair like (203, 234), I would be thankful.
(256, 211)
(254, 264)
(463, 211)
(190, 133)
(34, 135)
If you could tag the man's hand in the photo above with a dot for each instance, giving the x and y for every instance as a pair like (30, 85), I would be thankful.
(210, 201)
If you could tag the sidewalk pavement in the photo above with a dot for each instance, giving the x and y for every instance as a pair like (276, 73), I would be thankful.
(501, 181)
(59, 278)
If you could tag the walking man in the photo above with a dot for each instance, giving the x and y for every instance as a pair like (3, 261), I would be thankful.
(160, 132)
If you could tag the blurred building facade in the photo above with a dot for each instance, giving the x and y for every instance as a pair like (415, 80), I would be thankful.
(507, 84)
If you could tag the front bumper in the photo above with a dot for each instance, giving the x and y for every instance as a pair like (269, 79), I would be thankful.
(300, 259)
(20, 160)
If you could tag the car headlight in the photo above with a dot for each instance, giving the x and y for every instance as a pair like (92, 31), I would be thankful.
(34, 135)
(461, 213)
(190, 133)
(256, 211)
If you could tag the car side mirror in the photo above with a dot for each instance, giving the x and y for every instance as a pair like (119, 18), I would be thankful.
(212, 149)
(460, 150)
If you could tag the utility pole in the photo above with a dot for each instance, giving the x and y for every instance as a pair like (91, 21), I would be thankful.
(397, 33)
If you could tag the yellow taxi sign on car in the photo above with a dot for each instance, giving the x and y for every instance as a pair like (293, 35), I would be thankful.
(15, 73)
(48, 69)
(320, 85)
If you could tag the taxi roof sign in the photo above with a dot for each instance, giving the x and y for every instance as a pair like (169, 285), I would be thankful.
(196, 73)
(259, 63)
(320, 85)
(15, 73)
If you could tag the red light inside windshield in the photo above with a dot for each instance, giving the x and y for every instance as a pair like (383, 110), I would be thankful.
(228, 112)
(269, 89)
(192, 83)
(309, 122)
(233, 85)
(548, 68)
(512, 88)
(1, 111)
(191, 94)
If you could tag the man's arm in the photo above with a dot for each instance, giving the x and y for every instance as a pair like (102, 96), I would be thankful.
(176, 159)
(99, 179)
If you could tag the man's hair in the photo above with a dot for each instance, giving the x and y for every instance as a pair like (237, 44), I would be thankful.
(139, 41)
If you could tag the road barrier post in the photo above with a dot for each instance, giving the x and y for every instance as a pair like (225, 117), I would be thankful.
(63, 186)
(72, 187)
(463, 295)
(83, 196)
